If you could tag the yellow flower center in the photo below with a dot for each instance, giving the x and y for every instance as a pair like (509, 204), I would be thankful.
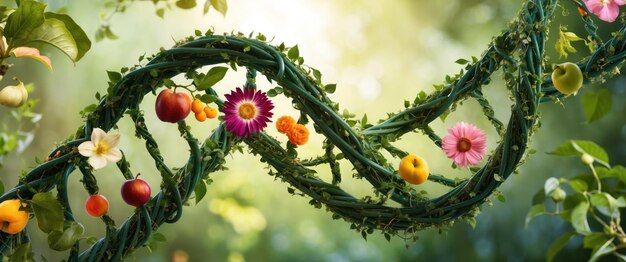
(247, 110)
(464, 145)
(101, 149)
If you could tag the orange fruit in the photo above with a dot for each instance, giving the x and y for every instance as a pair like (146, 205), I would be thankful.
(12, 220)
(200, 116)
(210, 112)
(196, 106)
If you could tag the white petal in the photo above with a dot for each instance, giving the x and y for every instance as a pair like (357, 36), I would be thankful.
(86, 149)
(111, 140)
(96, 135)
(97, 162)
(114, 154)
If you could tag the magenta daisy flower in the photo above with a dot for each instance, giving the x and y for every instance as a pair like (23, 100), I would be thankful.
(247, 112)
(465, 144)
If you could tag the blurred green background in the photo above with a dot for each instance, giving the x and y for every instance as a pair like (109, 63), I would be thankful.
(379, 53)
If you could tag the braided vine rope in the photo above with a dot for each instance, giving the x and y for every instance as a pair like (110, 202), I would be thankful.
(519, 51)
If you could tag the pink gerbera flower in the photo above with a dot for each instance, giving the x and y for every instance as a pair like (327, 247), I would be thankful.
(246, 112)
(607, 10)
(465, 144)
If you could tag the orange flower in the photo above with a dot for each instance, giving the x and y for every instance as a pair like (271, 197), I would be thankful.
(284, 124)
(298, 134)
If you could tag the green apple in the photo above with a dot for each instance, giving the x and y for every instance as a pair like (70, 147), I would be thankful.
(567, 78)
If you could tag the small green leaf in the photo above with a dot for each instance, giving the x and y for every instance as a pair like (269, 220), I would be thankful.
(114, 77)
(600, 200)
(501, 198)
(597, 104)
(293, 53)
(220, 5)
(48, 211)
(64, 240)
(535, 211)
(160, 12)
(605, 249)
(207, 99)
(330, 88)
(550, 185)
(271, 93)
(186, 4)
(595, 240)
(564, 46)
(168, 82)
(214, 75)
(580, 147)
(558, 245)
(579, 218)
(159, 237)
(578, 184)
(1, 187)
(200, 191)
(461, 61)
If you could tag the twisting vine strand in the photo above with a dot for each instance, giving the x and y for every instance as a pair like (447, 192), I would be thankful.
(518, 51)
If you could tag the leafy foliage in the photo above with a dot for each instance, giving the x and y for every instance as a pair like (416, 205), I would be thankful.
(592, 206)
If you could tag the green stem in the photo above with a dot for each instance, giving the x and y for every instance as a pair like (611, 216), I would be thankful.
(595, 175)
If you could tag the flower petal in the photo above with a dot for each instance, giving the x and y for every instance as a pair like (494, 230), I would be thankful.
(97, 161)
(97, 135)
(86, 149)
(111, 140)
(608, 13)
(114, 155)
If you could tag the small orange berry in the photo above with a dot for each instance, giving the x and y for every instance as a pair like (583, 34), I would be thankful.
(284, 123)
(298, 134)
(210, 112)
(582, 11)
(201, 116)
(196, 106)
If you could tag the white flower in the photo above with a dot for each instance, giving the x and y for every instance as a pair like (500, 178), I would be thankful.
(101, 148)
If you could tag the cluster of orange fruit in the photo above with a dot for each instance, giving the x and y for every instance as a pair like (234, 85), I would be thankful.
(298, 134)
(202, 111)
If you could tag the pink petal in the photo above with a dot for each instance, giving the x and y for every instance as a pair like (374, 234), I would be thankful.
(619, 2)
(459, 159)
(608, 13)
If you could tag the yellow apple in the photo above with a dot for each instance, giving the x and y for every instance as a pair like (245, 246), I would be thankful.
(567, 78)
(413, 169)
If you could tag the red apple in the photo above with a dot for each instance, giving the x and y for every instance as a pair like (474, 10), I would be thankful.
(172, 107)
(136, 192)
(97, 205)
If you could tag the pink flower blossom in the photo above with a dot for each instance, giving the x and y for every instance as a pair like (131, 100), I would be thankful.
(247, 112)
(465, 144)
(606, 10)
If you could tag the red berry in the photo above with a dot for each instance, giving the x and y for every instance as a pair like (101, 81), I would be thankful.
(97, 205)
